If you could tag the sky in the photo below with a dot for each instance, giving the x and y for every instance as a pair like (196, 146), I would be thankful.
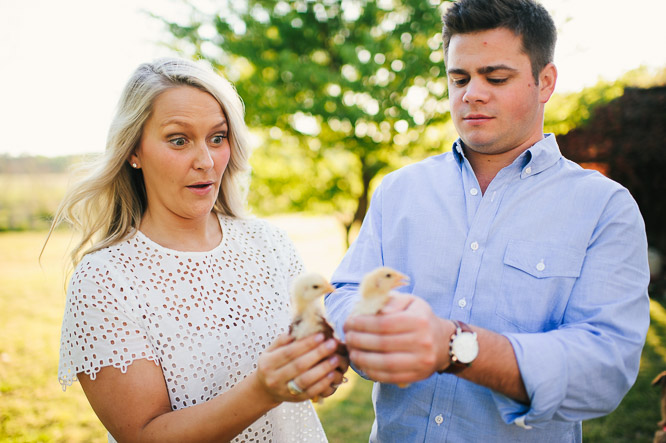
(64, 63)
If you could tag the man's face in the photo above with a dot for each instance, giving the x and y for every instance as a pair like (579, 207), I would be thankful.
(496, 105)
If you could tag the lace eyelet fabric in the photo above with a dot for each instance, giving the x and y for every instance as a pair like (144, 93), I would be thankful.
(203, 317)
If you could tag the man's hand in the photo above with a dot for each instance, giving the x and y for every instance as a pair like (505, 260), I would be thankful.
(404, 343)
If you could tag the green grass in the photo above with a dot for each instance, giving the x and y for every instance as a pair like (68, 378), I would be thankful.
(33, 407)
(347, 416)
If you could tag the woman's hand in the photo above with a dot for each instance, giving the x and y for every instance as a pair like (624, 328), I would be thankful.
(311, 364)
(339, 376)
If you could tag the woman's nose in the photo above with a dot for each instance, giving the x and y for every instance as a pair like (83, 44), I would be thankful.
(203, 160)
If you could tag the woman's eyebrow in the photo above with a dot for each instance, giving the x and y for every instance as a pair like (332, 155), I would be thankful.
(185, 123)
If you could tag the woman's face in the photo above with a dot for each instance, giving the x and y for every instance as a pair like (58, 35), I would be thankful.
(183, 153)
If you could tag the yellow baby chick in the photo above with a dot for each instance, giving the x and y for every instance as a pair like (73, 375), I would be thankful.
(375, 290)
(308, 315)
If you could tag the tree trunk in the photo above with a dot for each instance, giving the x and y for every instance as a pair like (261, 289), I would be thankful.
(367, 174)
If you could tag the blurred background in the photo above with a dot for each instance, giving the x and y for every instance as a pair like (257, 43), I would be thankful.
(337, 93)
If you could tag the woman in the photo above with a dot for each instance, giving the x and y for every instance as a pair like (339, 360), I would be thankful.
(174, 308)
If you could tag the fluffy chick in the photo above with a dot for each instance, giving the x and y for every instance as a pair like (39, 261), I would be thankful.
(308, 315)
(375, 289)
(375, 292)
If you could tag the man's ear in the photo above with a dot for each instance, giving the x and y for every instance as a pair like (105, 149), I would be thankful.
(547, 80)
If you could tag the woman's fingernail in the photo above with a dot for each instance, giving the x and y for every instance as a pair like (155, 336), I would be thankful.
(319, 337)
(334, 360)
(331, 344)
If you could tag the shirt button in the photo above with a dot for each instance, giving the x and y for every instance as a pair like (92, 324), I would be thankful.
(528, 170)
(474, 246)
(462, 302)
(540, 266)
(439, 419)
(473, 191)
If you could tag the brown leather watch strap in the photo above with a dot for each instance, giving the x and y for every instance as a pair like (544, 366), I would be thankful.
(455, 366)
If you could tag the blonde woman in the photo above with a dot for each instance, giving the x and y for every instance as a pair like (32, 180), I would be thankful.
(176, 304)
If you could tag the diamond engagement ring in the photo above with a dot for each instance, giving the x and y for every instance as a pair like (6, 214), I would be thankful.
(294, 389)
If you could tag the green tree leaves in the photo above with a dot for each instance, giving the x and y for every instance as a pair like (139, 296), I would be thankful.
(341, 91)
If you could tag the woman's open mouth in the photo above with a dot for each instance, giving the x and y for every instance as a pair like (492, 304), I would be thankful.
(201, 188)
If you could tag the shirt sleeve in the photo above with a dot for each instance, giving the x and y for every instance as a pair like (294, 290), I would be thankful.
(99, 326)
(364, 255)
(584, 368)
(287, 255)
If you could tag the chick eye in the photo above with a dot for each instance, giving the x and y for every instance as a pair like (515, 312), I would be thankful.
(316, 286)
(388, 275)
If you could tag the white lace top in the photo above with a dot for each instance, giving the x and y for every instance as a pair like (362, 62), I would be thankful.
(204, 317)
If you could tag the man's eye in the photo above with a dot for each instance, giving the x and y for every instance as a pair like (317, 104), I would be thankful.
(459, 81)
(178, 141)
(497, 81)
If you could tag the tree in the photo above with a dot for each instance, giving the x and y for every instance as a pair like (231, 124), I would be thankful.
(566, 112)
(341, 90)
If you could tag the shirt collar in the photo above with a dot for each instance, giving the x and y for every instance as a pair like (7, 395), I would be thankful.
(539, 157)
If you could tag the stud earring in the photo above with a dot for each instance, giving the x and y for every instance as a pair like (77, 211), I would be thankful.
(134, 165)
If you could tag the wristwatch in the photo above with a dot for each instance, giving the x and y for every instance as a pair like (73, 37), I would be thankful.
(463, 348)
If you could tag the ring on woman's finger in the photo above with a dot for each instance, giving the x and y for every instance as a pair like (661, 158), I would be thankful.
(293, 388)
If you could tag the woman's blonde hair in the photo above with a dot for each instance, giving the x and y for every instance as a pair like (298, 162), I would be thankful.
(107, 204)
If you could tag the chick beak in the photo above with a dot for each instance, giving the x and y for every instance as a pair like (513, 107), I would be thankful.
(329, 288)
(400, 280)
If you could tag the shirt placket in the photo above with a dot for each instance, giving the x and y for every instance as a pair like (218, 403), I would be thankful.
(481, 212)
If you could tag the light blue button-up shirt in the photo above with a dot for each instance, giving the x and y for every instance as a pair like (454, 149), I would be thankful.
(552, 256)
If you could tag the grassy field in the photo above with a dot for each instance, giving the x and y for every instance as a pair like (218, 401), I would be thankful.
(33, 407)
(28, 200)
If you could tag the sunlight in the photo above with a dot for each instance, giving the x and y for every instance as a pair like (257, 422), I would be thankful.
(657, 315)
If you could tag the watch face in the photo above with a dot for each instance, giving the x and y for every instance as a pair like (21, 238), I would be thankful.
(465, 347)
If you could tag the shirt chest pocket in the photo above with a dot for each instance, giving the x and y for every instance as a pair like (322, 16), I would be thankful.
(537, 280)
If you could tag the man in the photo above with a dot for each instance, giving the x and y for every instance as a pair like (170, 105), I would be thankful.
(529, 274)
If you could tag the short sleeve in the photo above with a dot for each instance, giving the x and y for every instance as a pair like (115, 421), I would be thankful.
(288, 257)
(99, 328)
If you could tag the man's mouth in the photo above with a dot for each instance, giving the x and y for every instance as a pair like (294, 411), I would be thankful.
(473, 117)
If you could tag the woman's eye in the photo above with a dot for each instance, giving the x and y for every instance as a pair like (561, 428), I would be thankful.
(217, 139)
(178, 141)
